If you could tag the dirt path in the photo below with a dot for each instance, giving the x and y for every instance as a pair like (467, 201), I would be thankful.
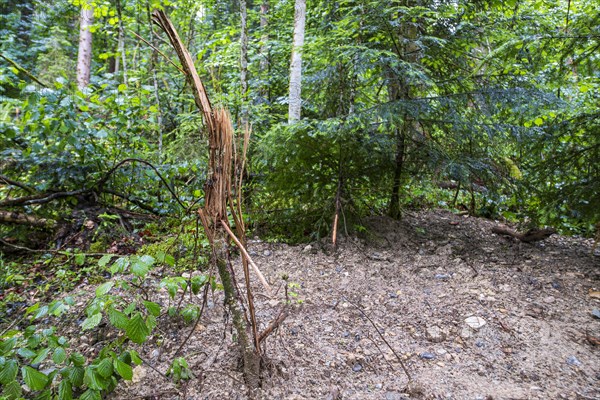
(418, 281)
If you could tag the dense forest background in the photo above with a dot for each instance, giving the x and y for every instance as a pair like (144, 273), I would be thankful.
(354, 108)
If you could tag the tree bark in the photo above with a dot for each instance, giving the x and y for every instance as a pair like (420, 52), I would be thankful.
(84, 56)
(263, 90)
(244, 63)
(295, 99)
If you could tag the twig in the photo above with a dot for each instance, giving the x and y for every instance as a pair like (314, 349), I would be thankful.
(382, 338)
(274, 324)
(9, 181)
(205, 297)
(155, 395)
(158, 51)
(20, 68)
(245, 253)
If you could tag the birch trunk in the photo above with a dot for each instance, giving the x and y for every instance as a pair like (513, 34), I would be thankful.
(244, 63)
(295, 100)
(84, 56)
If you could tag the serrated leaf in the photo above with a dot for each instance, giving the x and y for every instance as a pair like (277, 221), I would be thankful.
(9, 371)
(104, 288)
(91, 322)
(105, 368)
(65, 390)
(135, 357)
(59, 355)
(197, 282)
(124, 370)
(7, 345)
(120, 265)
(93, 379)
(26, 353)
(90, 394)
(41, 356)
(147, 260)
(41, 312)
(137, 330)
(12, 390)
(78, 359)
(35, 380)
(117, 319)
(152, 308)
(139, 269)
(76, 375)
(105, 260)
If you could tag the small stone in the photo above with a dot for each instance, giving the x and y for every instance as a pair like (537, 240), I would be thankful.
(572, 360)
(427, 356)
(435, 334)
(475, 322)
(465, 333)
(346, 334)
(393, 396)
(378, 386)
(294, 331)
(549, 299)
(267, 253)
(556, 285)
(307, 249)
(357, 367)
(155, 353)
(442, 277)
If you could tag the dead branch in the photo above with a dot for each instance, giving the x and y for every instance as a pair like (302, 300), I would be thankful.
(11, 217)
(283, 314)
(245, 253)
(532, 235)
(8, 181)
(41, 198)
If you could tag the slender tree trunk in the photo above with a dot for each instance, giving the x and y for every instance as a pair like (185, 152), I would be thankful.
(84, 56)
(295, 100)
(121, 43)
(263, 90)
(153, 64)
(244, 63)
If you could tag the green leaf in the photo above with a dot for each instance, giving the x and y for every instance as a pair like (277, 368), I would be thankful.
(41, 356)
(197, 282)
(105, 368)
(35, 380)
(120, 265)
(538, 121)
(41, 312)
(76, 375)
(91, 394)
(7, 345)
(65, 390)
(139, 269)
(78, 359)
(152, 308)
(80, 259)
(122, 87)
(135, 357)
(93, 379)
(104, 288)
(59, 356)
(147, 260)
(105, 260)
(12, 390)
(124, 370)
(8, 373)
(117, 318)
(137, 330)
(91, 322)
(26, 353)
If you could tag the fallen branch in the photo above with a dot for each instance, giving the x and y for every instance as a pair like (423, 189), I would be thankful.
(532, 235)
(382, 338)
(273, 324)
(24, 219)
(245, 253)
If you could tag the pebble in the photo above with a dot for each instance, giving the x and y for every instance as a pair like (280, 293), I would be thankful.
(379, 386)
(267, 253)
(357, 367)
(155, 353)
(307, 249)
(443, 277)
(549, 299)
(427, 356)
(393, 396)
(572, 360)
(435, 334)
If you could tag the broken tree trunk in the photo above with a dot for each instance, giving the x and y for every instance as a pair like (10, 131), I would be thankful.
(218, 201)
(532, 235)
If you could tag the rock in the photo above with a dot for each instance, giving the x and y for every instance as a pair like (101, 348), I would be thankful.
(435, 334)
(444, 250)
(465, 333)
(549, 299)
(357, 367)
(155, 353)
(393, 396)
(596, 313)
(307, 249)
(267, 253)
(442, 277)
(572, 360)
(427, 356)
(475, 322)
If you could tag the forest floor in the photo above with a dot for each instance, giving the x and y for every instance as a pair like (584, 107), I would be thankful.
(418, 281)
